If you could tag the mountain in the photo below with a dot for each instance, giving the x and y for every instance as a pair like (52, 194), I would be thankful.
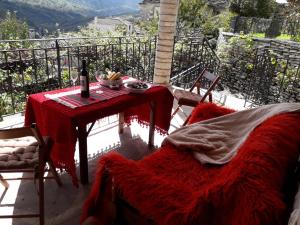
(101, 5)
(65, 14)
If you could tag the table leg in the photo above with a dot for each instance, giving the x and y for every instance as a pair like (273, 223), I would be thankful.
(152, 124)
(121, 122)
(83, 160)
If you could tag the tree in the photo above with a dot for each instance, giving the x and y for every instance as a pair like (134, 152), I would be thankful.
(12, 29)
(293, 18)
(265, 8)
(253, 8)
(294, 2)
(149, 26)
(191, 13)
(197, 14)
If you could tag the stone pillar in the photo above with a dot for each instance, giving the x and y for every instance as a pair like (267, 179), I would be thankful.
(164, 48)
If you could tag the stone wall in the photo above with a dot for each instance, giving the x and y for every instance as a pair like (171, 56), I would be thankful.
(258, 25)
(271, 74)
(281, 48)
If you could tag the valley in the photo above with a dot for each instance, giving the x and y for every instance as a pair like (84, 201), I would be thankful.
(65, 15)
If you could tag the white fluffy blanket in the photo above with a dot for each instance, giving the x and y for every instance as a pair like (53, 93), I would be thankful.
(216, 141)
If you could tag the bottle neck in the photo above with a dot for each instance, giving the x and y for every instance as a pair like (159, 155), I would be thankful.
(84, 66)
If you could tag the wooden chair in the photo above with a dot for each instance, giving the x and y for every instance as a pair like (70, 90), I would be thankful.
(205, 80)
(25, 150)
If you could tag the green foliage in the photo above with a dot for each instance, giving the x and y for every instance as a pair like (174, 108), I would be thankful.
(280, 37)
(193, 13)
(293, 19)
(253, 8)
(149, 26)
(13, 29)
(222, 20)
(243, 7)
(197, 14)
(237, 55)
(238, 45)
(265, 8)
(69, 14)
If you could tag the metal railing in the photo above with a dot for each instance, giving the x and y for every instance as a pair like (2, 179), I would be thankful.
(46, 65)
(199, 55)
(25, 71)
(31, 66)
(274, 79)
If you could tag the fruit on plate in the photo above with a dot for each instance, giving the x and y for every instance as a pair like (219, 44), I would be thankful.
(137, 85)
(113, 75)
(111, 79)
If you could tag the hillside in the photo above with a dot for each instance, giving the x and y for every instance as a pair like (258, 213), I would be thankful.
(65, 14)
(102, 5)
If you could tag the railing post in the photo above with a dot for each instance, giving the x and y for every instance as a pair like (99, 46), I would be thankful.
(165, 43)
(58, 63)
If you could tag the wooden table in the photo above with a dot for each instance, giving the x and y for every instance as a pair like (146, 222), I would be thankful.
(83, 133)
(64, 124)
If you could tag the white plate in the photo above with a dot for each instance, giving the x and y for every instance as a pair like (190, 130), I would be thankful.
(136, 90)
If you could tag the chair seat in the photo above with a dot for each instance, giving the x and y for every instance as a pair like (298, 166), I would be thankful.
(187, 98)
(19, 152)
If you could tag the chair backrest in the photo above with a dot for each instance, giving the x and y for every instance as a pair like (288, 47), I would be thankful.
(22, 132)
(205, 80)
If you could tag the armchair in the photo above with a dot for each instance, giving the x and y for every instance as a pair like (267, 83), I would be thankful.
(171, 187)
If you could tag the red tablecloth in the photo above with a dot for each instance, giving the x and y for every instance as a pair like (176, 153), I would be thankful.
(59, 121)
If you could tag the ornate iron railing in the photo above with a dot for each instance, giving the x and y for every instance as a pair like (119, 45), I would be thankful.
(275, 78)
(47, 64)
(199, 55)
(31, 66)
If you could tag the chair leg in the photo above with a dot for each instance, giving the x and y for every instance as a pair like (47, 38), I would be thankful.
(175, 111)
(210, 98)
(186, 121)
(4, 182)
(54, 172)
(41, 193)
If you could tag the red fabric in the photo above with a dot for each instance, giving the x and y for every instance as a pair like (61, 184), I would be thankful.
(97, 95)
(171, 187)
(59, 121)
(206, 111)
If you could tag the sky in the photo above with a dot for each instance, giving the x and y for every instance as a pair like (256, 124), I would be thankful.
(281, 1)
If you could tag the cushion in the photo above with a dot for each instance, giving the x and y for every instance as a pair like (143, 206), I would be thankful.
(19, 153)
(187, 98)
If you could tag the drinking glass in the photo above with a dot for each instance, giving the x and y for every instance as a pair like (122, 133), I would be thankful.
(74, 76)
(99, 75)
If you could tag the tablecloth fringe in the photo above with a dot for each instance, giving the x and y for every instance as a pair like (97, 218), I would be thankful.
(70, 169)
(143, 123)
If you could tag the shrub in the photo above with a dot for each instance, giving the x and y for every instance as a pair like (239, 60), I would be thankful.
(253, 8)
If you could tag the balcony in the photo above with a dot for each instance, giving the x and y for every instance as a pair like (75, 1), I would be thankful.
(63, 204)
(47, 66)
(274, 77)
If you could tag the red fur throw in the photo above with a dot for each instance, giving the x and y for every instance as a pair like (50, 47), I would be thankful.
(172, 188)
(206, 111)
